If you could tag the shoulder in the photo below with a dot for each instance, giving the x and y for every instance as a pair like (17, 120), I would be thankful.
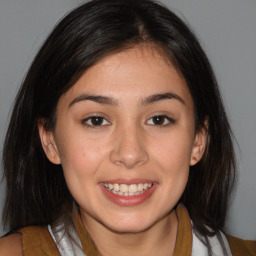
(11, 245)
(241, 247)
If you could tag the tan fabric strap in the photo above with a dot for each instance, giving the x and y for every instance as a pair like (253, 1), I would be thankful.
(89, 247)
(183, 244)
(38, 241)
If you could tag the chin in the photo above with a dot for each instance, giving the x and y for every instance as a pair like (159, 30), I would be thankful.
(129, 225)
(128, 228)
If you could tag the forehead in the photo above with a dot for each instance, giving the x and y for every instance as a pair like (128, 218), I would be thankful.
(136, 72)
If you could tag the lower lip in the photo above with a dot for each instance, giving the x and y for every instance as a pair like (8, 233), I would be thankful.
(128, 200)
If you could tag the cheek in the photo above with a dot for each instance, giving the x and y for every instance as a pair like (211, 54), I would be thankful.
(80, 162)
(174, 151)
(173, 157)
(80, 157)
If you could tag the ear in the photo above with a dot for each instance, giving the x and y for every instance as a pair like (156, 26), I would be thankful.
(199, 145)
(48, 143)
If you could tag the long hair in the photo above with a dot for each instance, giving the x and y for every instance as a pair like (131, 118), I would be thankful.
(37, 193)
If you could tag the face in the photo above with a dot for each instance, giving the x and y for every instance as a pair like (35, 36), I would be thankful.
(125, 137)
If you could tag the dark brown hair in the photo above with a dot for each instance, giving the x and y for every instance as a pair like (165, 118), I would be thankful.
(36, 189)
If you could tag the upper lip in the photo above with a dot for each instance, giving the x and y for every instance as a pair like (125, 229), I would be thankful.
(128, 181)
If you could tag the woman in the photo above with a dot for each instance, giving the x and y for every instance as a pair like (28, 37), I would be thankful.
(119, 142)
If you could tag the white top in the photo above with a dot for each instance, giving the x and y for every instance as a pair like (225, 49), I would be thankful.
(65, 246)
(200, 249)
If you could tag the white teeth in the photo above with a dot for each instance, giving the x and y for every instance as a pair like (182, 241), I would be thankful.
(124, 188)
(128, 190)
(140, 187)
(116, 187)
(133, 188)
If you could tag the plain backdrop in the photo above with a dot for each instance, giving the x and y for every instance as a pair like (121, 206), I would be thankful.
(227, 32)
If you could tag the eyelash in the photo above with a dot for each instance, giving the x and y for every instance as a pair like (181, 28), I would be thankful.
(104, 122)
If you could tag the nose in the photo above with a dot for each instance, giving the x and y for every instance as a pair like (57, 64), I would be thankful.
(129, 149)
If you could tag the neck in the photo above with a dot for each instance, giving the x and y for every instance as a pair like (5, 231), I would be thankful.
(159, 239)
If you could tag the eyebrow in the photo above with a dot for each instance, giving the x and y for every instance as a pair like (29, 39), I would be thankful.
(95, 98)
(162, 96)
(111, 101)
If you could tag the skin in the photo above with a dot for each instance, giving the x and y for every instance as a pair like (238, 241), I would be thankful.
(128, 144)
(11, 245)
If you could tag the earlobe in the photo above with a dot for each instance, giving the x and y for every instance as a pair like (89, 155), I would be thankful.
(48, 144)
(199, 145)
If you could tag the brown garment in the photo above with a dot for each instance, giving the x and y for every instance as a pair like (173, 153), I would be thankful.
(38, 241)
(241, 247)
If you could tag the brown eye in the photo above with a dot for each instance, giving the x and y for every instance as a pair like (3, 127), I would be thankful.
(95, 121)
(160, 120)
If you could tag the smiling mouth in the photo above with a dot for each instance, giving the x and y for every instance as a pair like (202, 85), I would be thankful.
(127, 190)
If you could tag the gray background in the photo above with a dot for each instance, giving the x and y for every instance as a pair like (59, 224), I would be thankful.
(227, 31)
